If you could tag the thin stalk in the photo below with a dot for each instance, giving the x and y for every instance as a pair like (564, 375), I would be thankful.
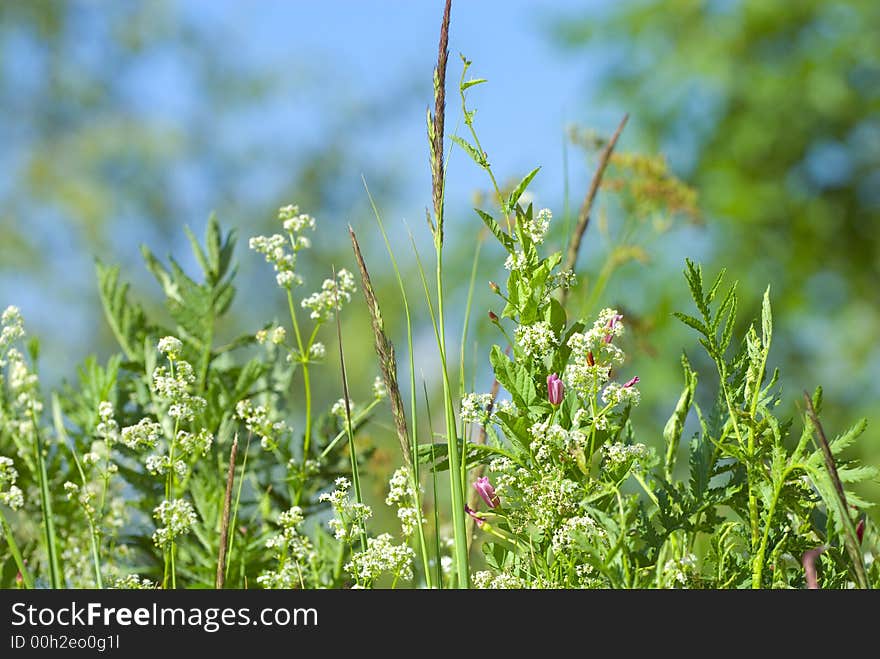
(414, 434)
(455, 468)
(235, 507)
(224, 519)
(434, 496)
(46, 507)
(464, 333)
(851, 540)
(355, 476)
(307, 437)
(583, 220)
(16, 553)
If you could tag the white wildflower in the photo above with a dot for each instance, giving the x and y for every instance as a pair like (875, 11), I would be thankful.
(333, 293)
(176, 518)
(536, 340)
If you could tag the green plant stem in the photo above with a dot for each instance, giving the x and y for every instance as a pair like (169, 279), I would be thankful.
(455, 480)
(16, 553)
(46, 507)
(307, 436)
(232, 524)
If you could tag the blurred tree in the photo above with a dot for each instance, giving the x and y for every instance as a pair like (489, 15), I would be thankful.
(771, 110)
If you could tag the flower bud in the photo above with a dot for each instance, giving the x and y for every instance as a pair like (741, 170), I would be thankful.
(631, 383)
(473, 513)
(485, 490)
(555, 389)
(860, 530)
(494, 287)
(493, 316)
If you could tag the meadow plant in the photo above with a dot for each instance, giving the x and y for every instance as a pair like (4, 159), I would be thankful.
(182, 461)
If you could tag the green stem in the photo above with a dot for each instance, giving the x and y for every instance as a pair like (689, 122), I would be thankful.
(455, 480)
(46, 506)
(16, 554)
(307, 436)
(232, 524)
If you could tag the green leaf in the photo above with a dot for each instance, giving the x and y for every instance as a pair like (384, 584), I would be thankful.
(126, 319)
(675, 425)
(472, 83)
(766, 320)
(475, 155)
(520, 188)
(496, 230)
(692, 322)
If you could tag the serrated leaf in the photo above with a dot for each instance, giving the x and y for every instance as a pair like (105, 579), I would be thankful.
(126, 319)
(692, 322)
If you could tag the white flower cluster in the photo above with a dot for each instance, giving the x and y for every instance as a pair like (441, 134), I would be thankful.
(537, 340)
(622, 454)
(402, 494)
(275, 336)
(107, 428)
(194, 444)
(294, 551)
(349, 513)
(679, 572)
(564, 279)
(23, 391)
(538, 499)
(132, 582)
(617, 394)
(12, 328)
(338, 408)
(517, 262)
(172, 385)
(176, 517)
(295, 223)
(142, 436)
(274, 247)
(475, 408)
(10, 494)
(554, 443)
(504, 581)
(593, 354)
(333, 293)
(574, 531)
(536, 228)
(382, 556)
(256, 419)
(170, 346)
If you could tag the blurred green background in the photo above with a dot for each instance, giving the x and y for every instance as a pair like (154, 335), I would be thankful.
(123, 121)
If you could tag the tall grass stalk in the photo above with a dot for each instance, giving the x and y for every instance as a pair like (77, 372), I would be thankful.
(388, 366)
(355, 475)
(435, 138)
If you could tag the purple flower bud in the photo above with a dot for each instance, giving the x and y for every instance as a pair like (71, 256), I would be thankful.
(485, 490)
(860, 530)
(632, 382)
(493, 316)
(473, 513)
(612, 323)
(555, 389)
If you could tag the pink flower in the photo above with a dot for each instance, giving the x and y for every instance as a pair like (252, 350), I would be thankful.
(612, 323)
(632, 382)
(473, 513)
(485, 489)
(555, 389)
